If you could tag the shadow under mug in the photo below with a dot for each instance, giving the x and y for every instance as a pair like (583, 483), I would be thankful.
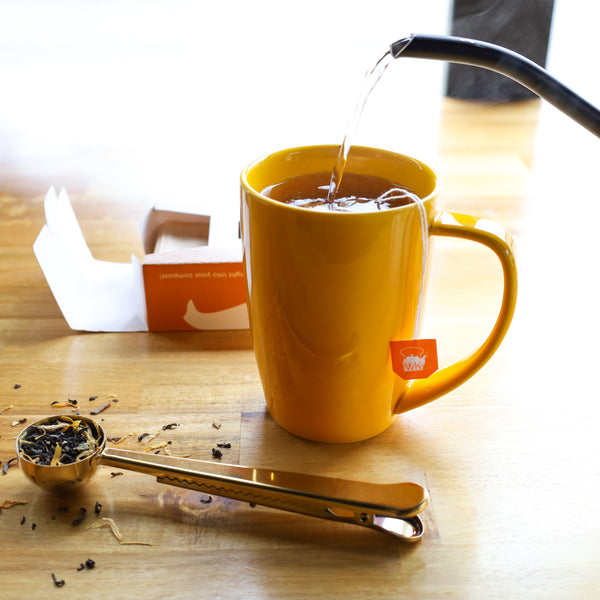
(328, 291)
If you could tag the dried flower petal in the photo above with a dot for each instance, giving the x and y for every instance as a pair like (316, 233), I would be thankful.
(137, 544)
(56, 404)
(108, 522)
(56, 458)
(11, 503)
(168, 452)
(117, 440)
(155, 446)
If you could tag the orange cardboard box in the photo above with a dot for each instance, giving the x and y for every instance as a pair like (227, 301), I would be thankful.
(190, 278)
(187, 283)
(195, 288)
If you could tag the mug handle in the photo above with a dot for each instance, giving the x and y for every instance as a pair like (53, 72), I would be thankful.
(498, 239)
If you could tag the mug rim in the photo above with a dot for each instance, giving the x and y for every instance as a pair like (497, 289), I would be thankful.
(315, 148)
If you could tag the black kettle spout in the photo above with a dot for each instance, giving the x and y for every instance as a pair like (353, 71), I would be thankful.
(504, 61)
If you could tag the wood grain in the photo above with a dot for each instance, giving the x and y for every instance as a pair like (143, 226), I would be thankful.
(510, 458)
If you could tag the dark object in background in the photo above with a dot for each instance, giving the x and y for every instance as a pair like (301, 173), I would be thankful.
(519, 25)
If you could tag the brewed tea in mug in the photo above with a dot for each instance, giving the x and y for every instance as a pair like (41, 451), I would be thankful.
(356, 193)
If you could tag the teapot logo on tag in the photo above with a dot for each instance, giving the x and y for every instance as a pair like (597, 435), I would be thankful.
(414, 359)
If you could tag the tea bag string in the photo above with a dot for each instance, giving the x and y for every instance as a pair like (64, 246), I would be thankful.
(399, 193)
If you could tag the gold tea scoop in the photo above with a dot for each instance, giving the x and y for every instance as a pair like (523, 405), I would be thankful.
(389, 508)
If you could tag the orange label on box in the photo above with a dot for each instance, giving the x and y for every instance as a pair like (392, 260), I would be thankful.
(414, 359)
(181, 296)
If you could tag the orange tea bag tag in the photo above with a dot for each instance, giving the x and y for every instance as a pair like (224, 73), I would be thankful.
(414, 359)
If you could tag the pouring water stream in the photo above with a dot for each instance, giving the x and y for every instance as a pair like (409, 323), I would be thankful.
(370, 81)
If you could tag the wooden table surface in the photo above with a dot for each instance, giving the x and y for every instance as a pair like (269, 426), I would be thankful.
(510, 458)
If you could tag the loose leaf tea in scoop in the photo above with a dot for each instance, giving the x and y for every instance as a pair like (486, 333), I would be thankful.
(60, 442)
(61, 451)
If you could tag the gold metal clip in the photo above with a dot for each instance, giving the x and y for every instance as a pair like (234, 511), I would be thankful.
(389, 508)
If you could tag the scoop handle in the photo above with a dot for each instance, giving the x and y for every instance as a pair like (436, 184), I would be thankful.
(390, 508)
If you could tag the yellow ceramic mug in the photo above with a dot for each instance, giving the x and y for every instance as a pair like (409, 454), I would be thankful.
(328, 291)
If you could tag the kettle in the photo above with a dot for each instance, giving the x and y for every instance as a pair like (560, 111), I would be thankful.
(504, 61)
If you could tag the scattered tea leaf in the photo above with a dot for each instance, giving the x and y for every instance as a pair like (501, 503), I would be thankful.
(7, 465)
(7, 408)
(80, 519)
(18, 422)
(57, 582)
(99, 409)
(217, 453)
